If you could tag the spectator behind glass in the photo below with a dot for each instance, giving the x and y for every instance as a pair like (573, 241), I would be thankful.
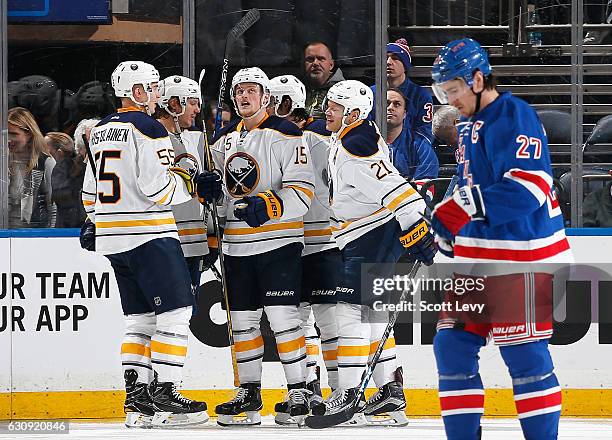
(597, 208)
(30, 169)
(81, 137)
(415, 161)
(66, 181)
(419, 106)
(444, 126)
(319, 76)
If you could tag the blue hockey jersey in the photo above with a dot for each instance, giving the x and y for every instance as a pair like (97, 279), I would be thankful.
(503, 148)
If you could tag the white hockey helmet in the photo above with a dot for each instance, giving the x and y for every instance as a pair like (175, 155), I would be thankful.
(352, 95)
(130, 73)
(252, 75)
(288, 85)
(180, 87)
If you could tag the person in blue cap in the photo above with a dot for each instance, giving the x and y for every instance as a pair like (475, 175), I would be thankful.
(419, 105)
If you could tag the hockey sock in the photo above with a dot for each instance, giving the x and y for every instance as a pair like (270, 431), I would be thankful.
(353, 344)
(384, 372)
(460, 387)
(462, 405)
(537, 394)
(290, 341)
(136, 345)
(312, 341)
(248, 344)
(325, 316)
(169, 344)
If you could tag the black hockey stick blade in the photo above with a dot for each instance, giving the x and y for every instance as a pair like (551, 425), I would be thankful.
(242, 26)
(321, 422)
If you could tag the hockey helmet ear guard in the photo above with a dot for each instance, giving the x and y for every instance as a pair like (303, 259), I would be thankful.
(287, 85)
(459, 59)
(179, 87)
(352, 95)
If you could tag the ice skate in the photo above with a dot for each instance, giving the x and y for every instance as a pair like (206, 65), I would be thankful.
(387, 406)
(175, 410)
(295, 407)
(138, 407)
(244, 409)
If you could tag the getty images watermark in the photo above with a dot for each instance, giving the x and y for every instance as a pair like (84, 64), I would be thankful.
(382, 287)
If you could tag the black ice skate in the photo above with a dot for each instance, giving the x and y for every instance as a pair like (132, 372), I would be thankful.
(295, 407)
(138, 407)
(387, 406)
(243, 409)
(336, 407)
(173, 409)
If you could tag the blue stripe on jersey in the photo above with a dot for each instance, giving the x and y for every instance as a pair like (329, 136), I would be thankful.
(144, 123)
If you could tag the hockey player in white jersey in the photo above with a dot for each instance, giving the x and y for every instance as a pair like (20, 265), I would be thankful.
(179, 105)
(321, 259)
(269, 185)
(376, 217)
(129, 200)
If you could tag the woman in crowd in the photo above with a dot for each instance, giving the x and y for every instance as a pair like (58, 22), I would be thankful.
(30, 203)
(66, 180)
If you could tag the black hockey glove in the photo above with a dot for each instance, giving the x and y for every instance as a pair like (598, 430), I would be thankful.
(210, 259)
(209, 187)
(259, 209)
(88, 236)
(419, 242)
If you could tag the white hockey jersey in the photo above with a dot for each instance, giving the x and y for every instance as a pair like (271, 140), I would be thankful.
(317, 228)
(366, 190)
(129, 197)
(189, 215)
(270, 156)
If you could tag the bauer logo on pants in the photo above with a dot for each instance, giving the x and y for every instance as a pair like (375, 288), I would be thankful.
(241, 174)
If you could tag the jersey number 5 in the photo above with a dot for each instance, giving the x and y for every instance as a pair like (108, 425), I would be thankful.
(103, 176)
(524, 143)
(381, 169)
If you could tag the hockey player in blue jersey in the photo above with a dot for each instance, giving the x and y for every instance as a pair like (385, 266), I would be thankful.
(419, 105)
(504, 211)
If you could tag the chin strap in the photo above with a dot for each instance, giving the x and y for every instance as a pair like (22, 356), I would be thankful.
(478, 98)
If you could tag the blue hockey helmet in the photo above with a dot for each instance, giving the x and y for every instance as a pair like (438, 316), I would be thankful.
(460, 59)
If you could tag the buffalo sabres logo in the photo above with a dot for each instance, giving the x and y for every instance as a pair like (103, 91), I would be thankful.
(241, 174)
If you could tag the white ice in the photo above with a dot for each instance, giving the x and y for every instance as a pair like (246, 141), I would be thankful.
(418, 429)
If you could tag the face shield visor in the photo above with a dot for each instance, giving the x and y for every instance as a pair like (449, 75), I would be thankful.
(450, 91)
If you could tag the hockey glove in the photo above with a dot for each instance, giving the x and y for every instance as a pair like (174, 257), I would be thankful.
(419, 242)
(87, 237)
(457, 211)
(259, 209)
(209, 187)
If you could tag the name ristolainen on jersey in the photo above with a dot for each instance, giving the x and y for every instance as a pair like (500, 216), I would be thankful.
(111, 134)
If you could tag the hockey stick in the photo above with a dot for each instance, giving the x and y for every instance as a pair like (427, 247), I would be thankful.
(319, 422)
(210, 166)
(245, 23)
